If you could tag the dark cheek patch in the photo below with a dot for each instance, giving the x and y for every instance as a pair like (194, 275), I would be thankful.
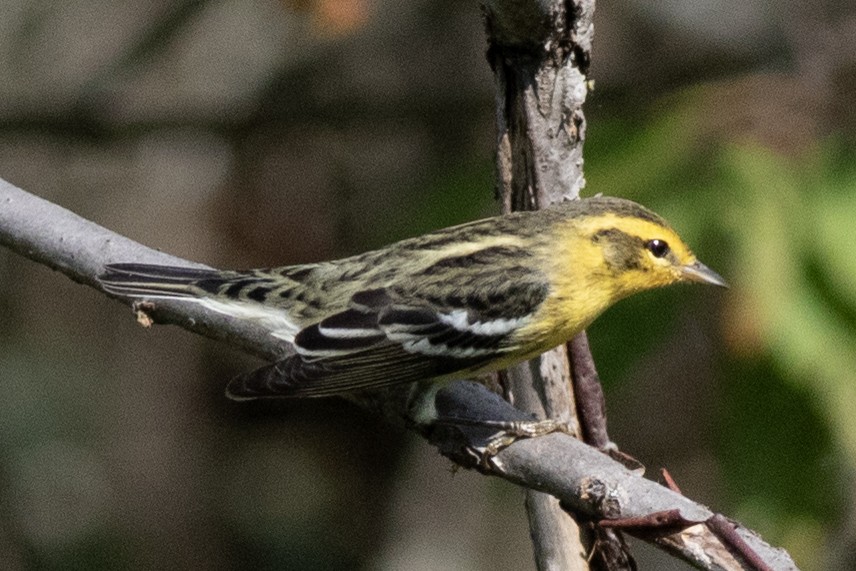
(621, 251)
(625, 258)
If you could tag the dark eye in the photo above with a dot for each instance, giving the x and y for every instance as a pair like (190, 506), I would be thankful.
(658, 247)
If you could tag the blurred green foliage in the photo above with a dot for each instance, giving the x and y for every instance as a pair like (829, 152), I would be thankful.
(780, 227)
(448, 199)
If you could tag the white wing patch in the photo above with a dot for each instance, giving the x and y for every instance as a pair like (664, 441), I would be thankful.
(460, 321)
(345, 333)
(321, 353)
(425, 347)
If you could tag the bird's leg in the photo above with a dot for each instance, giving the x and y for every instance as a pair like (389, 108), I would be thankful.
(485, 429)
(509, 431)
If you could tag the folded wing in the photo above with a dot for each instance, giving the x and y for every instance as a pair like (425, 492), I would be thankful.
(379, 342)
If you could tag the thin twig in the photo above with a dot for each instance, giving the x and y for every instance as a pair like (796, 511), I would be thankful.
(726, 531)
(588, 392)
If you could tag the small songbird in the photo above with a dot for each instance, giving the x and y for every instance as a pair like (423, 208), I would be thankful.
(451, 304)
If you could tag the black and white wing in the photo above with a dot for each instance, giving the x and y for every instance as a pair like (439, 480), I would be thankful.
(390, 336)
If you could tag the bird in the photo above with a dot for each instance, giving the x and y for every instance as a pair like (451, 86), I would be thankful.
(451, 304)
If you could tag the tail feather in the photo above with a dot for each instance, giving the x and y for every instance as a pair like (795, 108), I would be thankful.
(226, 292)
(294, 377)
(149, 280)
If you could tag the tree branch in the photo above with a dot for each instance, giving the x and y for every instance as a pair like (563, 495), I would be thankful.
(539, 52)
(579, 476)
(63, 241)
(586, 481)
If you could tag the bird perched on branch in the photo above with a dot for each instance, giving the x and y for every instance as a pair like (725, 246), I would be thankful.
(450, 304)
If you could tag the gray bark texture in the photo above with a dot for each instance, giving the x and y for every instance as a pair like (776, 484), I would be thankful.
(539, 52)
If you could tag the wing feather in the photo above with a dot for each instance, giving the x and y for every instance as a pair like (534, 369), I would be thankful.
(148, 280)
(379, 341)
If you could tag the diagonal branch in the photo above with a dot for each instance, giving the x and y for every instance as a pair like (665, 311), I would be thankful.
(579, 476)
(63, 241)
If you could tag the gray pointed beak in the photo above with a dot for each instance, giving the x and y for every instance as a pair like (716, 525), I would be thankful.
(700, 273)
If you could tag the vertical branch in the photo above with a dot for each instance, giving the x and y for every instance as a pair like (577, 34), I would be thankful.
(591, 407)
(539, 52)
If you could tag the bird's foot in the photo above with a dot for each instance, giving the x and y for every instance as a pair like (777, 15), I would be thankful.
(506, 432)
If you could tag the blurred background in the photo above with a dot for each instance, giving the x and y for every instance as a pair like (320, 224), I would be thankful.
(258, 133)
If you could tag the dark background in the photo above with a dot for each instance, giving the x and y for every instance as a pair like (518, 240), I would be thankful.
(245, 134)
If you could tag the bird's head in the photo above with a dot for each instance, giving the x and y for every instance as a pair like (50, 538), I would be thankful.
(634, 249)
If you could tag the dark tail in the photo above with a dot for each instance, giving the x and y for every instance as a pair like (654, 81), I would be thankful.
(267, 381)
(148, 280)
(282, 379)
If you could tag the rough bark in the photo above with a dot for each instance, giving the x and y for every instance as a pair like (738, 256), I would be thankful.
(539, 52)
